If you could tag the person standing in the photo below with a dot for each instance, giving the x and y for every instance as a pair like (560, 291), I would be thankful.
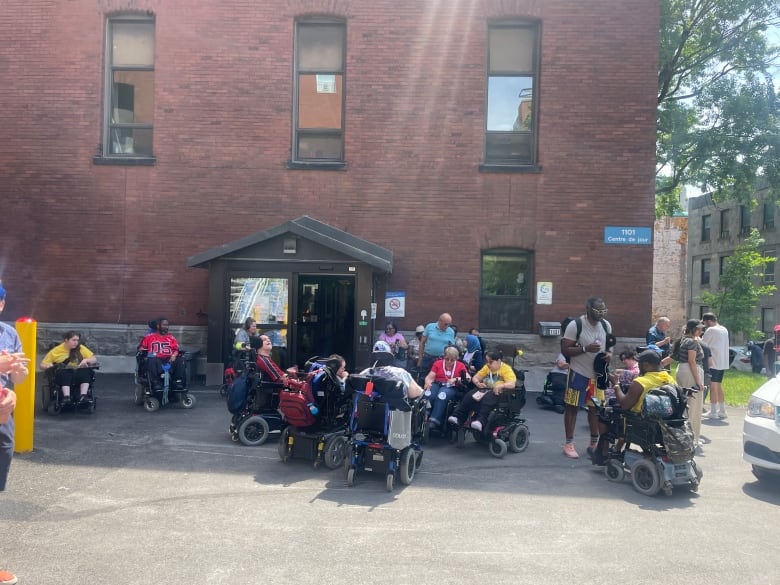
(689, 352)
(13, 368)
(756, 356)
(716, 336)
(658, 335)
(583, 339)
(770, 356)
(436, 337)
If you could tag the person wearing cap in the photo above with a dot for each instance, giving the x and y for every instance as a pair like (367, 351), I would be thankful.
(716, 336)
(435, 338)
(13, 368)
(580, 345)
(383, 367)
(413, 348)
(688, 351)
(650, 376)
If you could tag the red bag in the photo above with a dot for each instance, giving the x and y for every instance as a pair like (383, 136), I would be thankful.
(295, 402)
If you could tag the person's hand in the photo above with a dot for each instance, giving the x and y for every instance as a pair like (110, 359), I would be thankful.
(497, 389)
(7, 404)
(13, 363)
(594, 347)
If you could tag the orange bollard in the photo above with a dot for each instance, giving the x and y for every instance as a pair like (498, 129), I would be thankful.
(24, 414)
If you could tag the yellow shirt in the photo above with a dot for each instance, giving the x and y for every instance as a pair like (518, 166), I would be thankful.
(649, 381)
(505, 374)
(60, 355)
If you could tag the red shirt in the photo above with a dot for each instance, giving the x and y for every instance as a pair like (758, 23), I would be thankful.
(164, 346)
(438, 368)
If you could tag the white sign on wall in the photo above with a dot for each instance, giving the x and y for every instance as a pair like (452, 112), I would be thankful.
(544, 293)
(395, 304)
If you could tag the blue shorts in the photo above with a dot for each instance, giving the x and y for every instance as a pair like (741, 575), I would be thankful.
(580, 389)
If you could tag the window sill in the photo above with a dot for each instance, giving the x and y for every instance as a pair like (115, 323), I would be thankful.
(316, 166)
(509, 168)
(136, 161)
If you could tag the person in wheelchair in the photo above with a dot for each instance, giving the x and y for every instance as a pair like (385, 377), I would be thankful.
(490, 382)
(651, 375)
(71, 360)
(162, 349)
(442, 381)
(383, 367)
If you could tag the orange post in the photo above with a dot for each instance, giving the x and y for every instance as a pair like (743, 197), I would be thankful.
(24, 415)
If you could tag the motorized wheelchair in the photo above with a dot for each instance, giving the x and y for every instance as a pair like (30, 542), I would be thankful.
(657, 448)
(505, 429)
(170, 393)
(551, 396)
(253, 401)
(54, 400)
(325, 439)
(444, 430)
(386, 429)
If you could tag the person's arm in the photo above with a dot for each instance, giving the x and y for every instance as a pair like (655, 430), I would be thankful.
(14, 365)
(7, 404)
(402, 342)
(421, 351)
(508, 380)
(429, 379)
(89, 358)
(269, 368)
(629, 399)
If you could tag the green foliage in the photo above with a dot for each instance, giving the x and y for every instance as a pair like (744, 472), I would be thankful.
(718, 124)
(737, 295)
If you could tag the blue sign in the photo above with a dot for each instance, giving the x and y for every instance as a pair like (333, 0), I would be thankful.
(642, 236)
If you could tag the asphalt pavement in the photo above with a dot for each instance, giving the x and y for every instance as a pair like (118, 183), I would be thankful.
(127, 497)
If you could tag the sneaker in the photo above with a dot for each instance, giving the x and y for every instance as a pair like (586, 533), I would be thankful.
(453, 420)
(7, 578)
(570, 451)
(711, 415)
(476, 425)
(722, 414)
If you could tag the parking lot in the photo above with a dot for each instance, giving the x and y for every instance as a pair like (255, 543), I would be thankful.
(129, 497)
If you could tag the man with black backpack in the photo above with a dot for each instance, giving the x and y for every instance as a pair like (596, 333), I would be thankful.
(584, 340)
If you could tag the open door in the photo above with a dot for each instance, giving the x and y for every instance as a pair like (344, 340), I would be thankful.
(325, 317)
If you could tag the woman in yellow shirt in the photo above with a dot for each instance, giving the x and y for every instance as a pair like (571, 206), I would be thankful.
(73, 360)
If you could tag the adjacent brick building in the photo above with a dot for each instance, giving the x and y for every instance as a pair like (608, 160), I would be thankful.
(485, 143)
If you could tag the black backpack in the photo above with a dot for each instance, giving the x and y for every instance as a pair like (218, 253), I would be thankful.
(238, 394)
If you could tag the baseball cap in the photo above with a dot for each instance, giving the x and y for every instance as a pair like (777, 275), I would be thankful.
(419, 329)
(649, 356)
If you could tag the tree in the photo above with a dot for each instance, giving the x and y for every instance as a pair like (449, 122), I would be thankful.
(737, 295)
(718, 124)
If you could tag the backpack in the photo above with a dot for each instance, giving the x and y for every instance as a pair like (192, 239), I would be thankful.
(238, 394)
(578, 320)
(295, 401)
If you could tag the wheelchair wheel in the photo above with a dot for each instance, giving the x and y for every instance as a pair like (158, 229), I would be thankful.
(498, 448)
(460, 438)
(139, 394)
(55, 407)
(284, 453)
(390, 482)
(92, 406)
(519, 439)
(187, 400)
(151, 404)
(645, 477)
(351, 476)
(335, 452)
(408, 467)
(614, 470)
(253, 431)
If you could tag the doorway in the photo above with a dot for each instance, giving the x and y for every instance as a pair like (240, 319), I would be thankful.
(325, 317)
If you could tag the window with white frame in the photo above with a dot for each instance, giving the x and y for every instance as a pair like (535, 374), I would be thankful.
(129, 108)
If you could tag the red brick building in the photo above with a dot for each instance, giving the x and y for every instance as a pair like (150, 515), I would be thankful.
(486, 144)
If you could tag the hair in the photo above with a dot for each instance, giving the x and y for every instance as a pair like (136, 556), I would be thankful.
(494, 354)
(391, 324)
(451, 349)
(663, 320)
(249, 322)
(472, 330)
(593, 301)
(709, 317)
(627, 354)
(75, 353)
(160, 320)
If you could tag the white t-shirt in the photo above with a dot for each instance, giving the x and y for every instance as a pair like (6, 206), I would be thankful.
(717, 339)
(583, 363)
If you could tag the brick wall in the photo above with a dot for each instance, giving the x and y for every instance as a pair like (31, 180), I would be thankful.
(88, 243)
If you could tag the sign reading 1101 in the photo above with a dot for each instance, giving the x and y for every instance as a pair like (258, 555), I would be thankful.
(642, 236)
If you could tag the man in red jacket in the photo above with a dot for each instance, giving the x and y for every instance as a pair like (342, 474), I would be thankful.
(162, 348)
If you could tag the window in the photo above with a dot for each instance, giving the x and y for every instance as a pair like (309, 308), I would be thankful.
(706, 221)
(722, 265)
(744, 220)
(505, 292)
(769, 215)
(768, 321)
(769, 268)
(129, 110)
(512, 100)
(319, 92)
(724, 224)
(705, 271)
